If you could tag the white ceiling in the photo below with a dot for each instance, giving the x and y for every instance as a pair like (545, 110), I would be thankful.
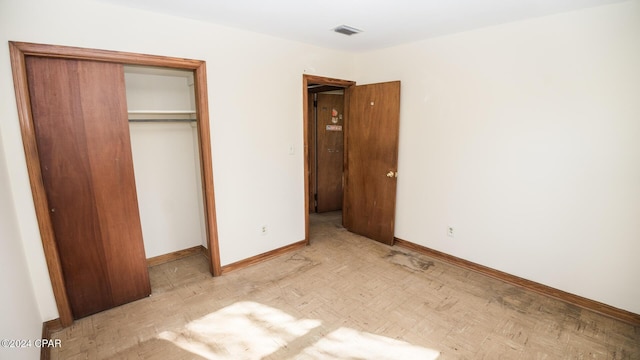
(384, 22)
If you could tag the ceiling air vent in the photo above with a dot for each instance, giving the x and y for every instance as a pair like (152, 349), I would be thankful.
(347, 30)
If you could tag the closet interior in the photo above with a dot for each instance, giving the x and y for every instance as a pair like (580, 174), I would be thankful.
(164, 144)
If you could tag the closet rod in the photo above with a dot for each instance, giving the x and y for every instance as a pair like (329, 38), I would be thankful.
(162, 120)
(162, 112)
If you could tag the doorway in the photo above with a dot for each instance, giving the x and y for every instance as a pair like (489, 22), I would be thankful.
(370, 157)
(324, 155)
(19, 52)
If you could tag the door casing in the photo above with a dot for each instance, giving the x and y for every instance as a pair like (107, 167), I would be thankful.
(349, 91)
(306, 81)
(18, 52)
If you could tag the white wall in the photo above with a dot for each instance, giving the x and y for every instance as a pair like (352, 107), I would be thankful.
(255, 100)
(525, 138)
(18, 308)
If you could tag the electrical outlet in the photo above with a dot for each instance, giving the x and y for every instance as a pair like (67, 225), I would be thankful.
(450, 231)
(263, 230)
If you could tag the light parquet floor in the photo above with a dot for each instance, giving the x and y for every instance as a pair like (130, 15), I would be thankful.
(343, 297)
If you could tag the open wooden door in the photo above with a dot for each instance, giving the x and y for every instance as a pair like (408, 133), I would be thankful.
(81, 126)
(372, 127)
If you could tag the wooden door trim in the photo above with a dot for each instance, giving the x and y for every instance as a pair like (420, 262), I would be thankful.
(320, 80)
(18, 52)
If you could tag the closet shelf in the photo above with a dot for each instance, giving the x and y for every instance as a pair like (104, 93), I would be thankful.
(162, 116)
(162, 120)
(161, 112)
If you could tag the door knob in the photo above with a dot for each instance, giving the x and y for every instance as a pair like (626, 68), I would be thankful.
(390, 174)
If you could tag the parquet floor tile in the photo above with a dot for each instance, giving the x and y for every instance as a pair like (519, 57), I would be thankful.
(343, 297)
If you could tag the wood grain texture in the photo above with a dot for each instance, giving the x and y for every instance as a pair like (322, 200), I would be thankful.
(321, 80)
(580, 301)
(82, 132)
(27, 129)
(330, 152)
(62, 147)
(206, 166)
(311, 140)
(372, 130)
(70, 52)
(263, 257)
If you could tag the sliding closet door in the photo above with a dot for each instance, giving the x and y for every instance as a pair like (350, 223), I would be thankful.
(82, 133)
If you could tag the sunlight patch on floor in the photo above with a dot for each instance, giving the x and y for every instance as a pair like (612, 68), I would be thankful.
(249, 330)
(244, 330)
(346, 343)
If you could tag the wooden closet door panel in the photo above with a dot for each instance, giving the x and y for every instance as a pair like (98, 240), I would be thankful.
(62, 148)
(106, 123)
(80, 118)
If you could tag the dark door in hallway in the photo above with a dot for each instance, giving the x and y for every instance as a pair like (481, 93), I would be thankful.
(372, 128)
(329, 151)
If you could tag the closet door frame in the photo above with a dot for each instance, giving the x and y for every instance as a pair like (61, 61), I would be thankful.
(18, 52)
